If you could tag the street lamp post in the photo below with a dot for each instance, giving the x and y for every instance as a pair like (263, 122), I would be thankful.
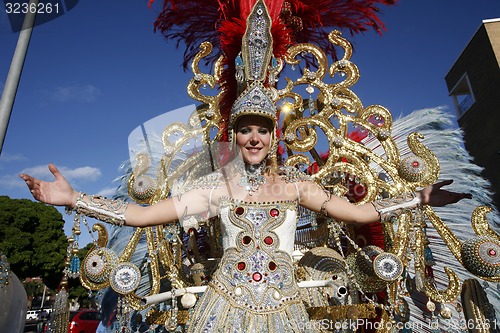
(16, 67)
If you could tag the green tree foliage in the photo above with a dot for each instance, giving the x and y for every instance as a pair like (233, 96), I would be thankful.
(33, 288)
(32, 237)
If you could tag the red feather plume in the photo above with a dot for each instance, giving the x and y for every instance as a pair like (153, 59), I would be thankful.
(195, 21)
(309, 19)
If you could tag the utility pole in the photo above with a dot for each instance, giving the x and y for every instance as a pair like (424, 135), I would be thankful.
(43, 296)
(16, 67)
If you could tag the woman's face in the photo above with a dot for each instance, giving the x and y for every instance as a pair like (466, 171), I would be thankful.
(253, 137)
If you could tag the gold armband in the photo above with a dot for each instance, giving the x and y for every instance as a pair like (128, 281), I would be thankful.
(101, 208)
(389, 209)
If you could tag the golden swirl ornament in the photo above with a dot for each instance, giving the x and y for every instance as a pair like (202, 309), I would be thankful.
(98, 262)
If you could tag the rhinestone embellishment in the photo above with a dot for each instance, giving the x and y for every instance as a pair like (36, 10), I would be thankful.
(256, 276)
(98, 264)
(125, 278)
(239, 210)
(387, 266)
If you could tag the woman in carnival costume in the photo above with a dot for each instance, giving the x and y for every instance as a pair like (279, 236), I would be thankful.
(254, 288)
(255, 285)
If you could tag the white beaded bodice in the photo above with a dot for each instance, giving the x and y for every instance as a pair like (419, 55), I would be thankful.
(256, 271)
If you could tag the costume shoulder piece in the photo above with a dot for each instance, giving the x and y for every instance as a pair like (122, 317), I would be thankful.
(290, 175)
(211, 181)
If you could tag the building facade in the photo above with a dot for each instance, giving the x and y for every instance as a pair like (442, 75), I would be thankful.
(474, 84)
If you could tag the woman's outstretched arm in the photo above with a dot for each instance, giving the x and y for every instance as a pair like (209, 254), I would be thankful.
(313, 197)
(60, 193)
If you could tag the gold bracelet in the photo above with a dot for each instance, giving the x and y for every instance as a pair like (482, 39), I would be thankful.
(323, 210)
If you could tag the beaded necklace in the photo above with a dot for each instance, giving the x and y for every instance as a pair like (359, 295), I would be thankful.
(251, 176)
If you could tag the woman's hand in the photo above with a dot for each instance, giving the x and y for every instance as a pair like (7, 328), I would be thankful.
(435, 196)
(57, 193)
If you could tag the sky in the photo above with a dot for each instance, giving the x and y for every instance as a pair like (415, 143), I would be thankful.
(97, 72)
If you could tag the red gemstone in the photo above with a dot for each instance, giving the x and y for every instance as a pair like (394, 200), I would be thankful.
(268, 240)
(493, 252)
(241, 266)
(272, 265)
(415, 164)
(257, 276)
(239, 210)
(246, 240)
(274, 212)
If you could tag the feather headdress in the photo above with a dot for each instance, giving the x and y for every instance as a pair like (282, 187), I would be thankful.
(223, 24)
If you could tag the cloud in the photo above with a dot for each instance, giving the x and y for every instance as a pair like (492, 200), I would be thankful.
(107, 192)
(85, 173)
(74, 176)
(83, 93)
(13, 181)
(7, 157)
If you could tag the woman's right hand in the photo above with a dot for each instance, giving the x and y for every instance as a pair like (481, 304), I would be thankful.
(57, 193)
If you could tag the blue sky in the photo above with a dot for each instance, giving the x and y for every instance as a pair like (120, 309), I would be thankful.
(94, 74)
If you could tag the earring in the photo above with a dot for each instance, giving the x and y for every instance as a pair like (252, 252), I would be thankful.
(273, 152)
(231, 139)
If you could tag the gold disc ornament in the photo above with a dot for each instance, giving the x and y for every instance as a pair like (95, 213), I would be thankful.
(98, 264)
(412, 168)
(125, 278)
(481, 256)
(387, 266)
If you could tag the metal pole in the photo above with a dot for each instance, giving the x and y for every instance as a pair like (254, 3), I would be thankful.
(43, 297)
(16, 67)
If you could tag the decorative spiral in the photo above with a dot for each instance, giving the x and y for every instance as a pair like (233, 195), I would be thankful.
(481, 256)
(98, 264)
(412, 168)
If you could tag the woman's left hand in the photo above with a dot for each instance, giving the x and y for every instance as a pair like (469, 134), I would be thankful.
(434, 196)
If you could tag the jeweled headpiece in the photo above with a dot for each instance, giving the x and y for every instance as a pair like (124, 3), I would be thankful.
(254, 100)
(252, 67)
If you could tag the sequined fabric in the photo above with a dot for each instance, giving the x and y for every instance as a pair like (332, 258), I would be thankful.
(254, 288)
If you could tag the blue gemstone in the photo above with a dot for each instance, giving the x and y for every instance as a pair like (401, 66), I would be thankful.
(238, 61)
(274, 62)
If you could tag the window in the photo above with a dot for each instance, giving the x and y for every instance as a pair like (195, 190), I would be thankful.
(462, 95)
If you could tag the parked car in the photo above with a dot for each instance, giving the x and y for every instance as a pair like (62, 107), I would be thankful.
(81, 321)
(32, 315)
(84, 321)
